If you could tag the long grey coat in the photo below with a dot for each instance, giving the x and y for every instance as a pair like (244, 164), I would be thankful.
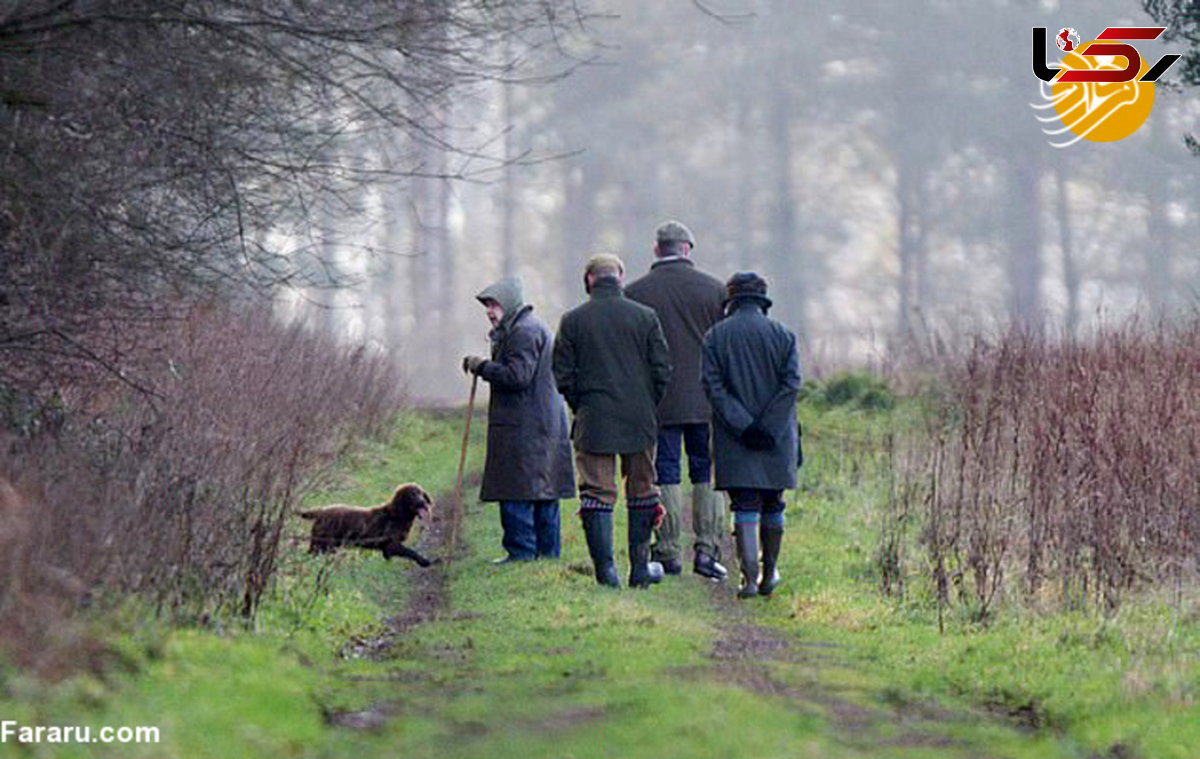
(688, 302)
(528, 445)
(751, 371)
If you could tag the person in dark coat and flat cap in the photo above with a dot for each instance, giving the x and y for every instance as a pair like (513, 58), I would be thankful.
(688, 302)
(612, 364)
(751, 373)
(528, 464)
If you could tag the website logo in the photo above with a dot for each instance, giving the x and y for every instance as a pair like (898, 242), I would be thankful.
(1067, 39)
(1101, 90)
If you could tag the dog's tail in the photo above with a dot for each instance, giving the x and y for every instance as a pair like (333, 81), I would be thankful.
(309, 514)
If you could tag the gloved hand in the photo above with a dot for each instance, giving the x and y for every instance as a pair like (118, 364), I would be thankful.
(799, 446)
(757, 439)
(472, 364)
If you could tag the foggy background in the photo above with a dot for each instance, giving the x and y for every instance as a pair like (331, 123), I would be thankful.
(878, 162)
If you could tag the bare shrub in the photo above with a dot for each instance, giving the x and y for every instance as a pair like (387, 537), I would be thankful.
(198, 149)
(1065, 472)
(180, 497)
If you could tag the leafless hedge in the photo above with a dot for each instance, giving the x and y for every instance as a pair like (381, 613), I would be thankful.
(1063, 473)
(180, 497)
(153, 151)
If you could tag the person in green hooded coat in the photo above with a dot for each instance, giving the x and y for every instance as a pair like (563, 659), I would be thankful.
(528, 467)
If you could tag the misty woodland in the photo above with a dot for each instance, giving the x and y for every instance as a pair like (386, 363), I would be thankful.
(241, 244)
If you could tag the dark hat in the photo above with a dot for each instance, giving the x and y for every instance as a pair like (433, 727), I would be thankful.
(674, 231)
(746, 284)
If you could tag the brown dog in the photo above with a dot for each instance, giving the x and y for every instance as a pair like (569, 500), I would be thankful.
(384, 527)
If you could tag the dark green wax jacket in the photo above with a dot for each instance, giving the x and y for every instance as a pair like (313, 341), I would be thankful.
(612, 364)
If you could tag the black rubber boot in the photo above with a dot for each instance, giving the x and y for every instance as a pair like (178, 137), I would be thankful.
(707, 566)
(671, 566)
(598, 528)
(642, 572)
(747, 547)
(772, 539)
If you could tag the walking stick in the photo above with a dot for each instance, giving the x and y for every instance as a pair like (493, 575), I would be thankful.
(462, 465)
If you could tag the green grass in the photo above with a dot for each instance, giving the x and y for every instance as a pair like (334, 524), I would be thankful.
(1128, 682)
(536, 660)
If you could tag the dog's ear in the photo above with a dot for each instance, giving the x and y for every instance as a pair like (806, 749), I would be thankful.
(397, 501)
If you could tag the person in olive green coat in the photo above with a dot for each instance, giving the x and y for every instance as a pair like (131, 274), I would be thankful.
(612, 364)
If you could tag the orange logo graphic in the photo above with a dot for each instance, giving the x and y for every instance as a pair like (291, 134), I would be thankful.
(1101, 91)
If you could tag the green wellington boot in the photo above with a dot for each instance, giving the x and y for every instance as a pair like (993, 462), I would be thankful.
(642, 572)
(772, 539)
(708, 522)
(598, 528)
(746, 539)
(666, 536)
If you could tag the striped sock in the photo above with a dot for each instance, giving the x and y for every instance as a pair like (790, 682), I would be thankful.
(637, 504)
(587, 503)
(773, 519)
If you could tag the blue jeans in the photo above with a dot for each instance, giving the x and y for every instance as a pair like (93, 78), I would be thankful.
(672, 439)
(531, 529)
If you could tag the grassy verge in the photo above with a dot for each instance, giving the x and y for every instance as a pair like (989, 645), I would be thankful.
(528, 657)
(537, 661)
(1122, 685)
(262, 692)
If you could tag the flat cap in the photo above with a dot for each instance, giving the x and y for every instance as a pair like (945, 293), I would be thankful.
(604, 261)
(674, 231)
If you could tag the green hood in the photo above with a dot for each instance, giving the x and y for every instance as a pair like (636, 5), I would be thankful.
(509, 293)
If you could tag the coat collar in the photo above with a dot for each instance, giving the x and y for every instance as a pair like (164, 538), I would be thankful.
(606, 287)
(510, 319)
(748, 305)
(664, 262)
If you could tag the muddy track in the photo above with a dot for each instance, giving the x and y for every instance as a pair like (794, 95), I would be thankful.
(428, 600)
(772, 663)
(429, 588)
(429, 597)
(760, 659)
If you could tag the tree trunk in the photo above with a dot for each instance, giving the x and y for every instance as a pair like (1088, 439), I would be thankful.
(1025, 242)
(789, 259)
(1067, 243)
(906, 242)
(508, 187)
(448, 306)
(744, 246)
(387, 306)
(1156, 276)
(422, 279)
(324, 295)
(578, 232)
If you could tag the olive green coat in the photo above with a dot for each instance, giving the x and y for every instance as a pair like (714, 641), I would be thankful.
(612, 364)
